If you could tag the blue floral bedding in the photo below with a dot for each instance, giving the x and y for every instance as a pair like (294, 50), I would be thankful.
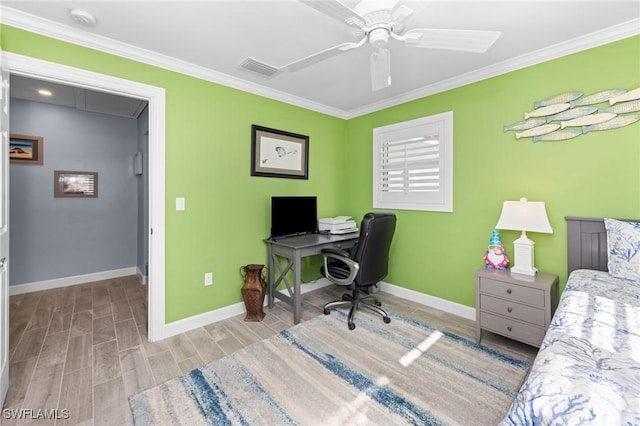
(587, 371)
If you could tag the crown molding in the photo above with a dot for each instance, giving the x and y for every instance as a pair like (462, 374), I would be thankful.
(589, 41)
(48, 28)
(61, 32)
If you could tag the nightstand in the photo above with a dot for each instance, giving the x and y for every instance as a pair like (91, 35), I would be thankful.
(516, 306)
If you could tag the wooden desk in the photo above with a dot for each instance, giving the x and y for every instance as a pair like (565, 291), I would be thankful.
(294, 249)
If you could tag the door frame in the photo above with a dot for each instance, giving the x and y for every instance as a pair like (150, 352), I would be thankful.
(155, 96)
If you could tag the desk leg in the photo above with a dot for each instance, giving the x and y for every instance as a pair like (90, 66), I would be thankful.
(297, 297)
(272, 276)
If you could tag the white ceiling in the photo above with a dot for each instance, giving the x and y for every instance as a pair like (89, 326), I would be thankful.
(210, 39)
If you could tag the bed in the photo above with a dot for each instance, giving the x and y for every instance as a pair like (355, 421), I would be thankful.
(587, 370)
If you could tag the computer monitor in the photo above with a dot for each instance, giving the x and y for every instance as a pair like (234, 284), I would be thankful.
(293, 215)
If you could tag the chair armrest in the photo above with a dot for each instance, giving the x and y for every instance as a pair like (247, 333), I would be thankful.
(354, 267)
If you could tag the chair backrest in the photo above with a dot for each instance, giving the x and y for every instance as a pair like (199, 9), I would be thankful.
(372, 250)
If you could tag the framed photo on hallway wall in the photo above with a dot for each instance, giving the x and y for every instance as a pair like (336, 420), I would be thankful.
(276, 153)
(24, 149)
(75, 184)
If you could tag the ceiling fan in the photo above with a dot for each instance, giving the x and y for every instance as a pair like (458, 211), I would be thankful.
(378, 21)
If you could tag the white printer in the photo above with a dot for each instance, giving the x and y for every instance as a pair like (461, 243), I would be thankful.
(337, 225)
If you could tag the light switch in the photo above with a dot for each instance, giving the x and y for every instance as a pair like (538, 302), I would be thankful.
(179, 204)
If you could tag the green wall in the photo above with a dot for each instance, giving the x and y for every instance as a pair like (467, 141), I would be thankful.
(208, 135)
(227, 215)
(595, 174)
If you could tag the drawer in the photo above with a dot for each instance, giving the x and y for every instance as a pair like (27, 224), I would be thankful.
(513, 329)
(512, 309)
(518, 293)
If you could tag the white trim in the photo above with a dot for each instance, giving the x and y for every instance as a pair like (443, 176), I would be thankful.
(67, 281)
(430, 301)
(141, 277)
(401, 155)
(44, 70)
(35, 24)
(187, 324)
(200, 320)
(58, 31)
(206, 318)
(578, 44)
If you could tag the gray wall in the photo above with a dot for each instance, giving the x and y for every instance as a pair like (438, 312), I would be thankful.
(63, 237)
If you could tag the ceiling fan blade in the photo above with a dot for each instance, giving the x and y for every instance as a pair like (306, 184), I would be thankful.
(322, 55)
(399, 15)
(337, 10)
(463, 40)
(380, 69)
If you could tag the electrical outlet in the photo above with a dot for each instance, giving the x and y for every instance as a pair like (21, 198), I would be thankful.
(208, 278)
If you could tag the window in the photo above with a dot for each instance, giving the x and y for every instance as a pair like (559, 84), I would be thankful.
(413, 164)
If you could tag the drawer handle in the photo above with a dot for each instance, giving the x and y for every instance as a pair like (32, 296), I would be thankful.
(509, 309)
(509, 328)
(508, 291)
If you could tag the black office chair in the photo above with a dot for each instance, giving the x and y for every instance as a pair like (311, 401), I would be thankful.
(367, 265)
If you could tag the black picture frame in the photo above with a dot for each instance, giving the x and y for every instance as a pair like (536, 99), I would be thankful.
(277, 153)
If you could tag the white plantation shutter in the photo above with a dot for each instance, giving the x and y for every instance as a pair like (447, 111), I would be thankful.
(413, 164)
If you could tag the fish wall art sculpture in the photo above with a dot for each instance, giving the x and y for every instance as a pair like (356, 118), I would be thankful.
(570, 114)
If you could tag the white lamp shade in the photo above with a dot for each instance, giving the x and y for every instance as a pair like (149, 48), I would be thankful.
(524, 215)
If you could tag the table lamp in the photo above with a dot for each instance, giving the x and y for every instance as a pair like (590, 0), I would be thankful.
(524, 216)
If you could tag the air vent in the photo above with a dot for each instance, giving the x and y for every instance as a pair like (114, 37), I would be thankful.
(258, 67)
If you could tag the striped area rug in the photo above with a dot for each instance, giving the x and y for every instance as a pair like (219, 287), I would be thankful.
(321, 373)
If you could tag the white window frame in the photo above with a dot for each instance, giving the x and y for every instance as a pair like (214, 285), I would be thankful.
(389, 140)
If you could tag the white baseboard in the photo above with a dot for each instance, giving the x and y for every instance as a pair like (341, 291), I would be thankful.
(193, 322)
(190, 323)
(67, 281)
(430, 301)
(141, 277)
(216, 315)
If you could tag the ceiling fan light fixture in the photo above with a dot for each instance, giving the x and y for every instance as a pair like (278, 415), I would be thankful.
(379, 37)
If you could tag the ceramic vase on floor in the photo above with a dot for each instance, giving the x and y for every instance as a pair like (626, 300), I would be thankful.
(253, 291)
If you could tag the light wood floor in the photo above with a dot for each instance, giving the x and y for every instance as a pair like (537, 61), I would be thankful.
(84, 348)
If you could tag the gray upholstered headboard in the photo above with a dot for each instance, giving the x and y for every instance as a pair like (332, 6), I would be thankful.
(586, 243)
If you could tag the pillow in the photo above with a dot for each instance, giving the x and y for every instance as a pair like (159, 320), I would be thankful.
(623, 248)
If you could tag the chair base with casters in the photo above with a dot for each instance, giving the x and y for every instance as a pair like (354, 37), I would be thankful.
(355, 301)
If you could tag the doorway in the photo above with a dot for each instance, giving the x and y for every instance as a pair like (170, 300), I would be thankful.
(155, 97)
(76, 129)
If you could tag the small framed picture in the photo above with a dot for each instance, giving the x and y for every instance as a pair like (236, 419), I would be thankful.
(24, 149)
(75, 184)
(276, 153)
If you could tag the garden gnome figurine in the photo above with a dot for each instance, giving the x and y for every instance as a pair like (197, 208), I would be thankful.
(495, 257)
